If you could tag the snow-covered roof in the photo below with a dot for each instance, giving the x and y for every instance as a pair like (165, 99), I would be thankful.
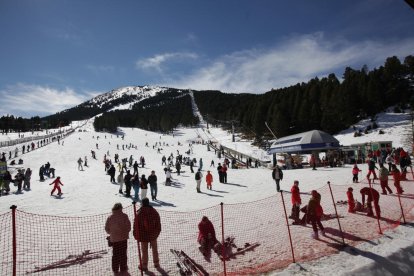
(304, 142)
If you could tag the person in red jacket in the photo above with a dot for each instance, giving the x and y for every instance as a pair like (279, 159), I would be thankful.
(224, 173)
(372, 196)
(56, 184)
(351, 201)
(209, 180)
(296, 201)
(314, 213)
(147, 228)
(396, 175)
(355, 172)
(206, 235)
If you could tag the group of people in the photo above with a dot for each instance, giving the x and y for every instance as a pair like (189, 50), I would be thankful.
(21, 180)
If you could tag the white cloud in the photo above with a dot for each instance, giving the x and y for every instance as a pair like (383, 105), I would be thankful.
(156, 62)
(30, 100)
(297, 59)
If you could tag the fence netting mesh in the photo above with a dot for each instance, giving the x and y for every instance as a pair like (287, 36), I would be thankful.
(256, 232)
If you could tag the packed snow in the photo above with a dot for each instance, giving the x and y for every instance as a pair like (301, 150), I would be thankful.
(89, 191)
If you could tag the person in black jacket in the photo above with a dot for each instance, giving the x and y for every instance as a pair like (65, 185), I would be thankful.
(111, 172)
(277, 175)
(152, 180)
(127, 181)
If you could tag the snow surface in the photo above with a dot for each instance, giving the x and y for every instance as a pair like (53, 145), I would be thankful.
(90, 192)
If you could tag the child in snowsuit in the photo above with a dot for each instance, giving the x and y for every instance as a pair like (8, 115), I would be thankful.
(351, 201)
(296, 201)
(209, 180)
(56, 184)
(383, 176)
(371, 169)
(355, 172)
(314, 214)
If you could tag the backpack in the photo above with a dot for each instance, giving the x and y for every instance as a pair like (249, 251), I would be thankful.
(197, 176)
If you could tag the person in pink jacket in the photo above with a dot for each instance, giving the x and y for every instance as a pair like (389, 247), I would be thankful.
(118, 227)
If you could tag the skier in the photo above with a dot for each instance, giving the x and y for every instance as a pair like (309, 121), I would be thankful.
(212, 164)
(206, 235)
(351, 201)
(164, 159)
(355, 172)
(56, 184)
(372, 196)
(144, 187)
(41, 173)
(296, 201)
(277, 175)
(86, 161)
(111, 172)
(209, 180)
(27, 177)
(118, 227)
(152, 180)
(383, 176)
(147, 228)
(198, 177)
(80, 161)
(314, 214)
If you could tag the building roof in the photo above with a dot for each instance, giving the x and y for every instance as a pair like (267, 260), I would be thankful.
(304, 142)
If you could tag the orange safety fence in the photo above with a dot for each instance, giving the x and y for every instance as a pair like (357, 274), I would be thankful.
(33, 244)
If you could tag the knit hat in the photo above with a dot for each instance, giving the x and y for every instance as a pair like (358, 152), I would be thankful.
(117, 206)
(350, 189)
(145, 202)
(314, 193)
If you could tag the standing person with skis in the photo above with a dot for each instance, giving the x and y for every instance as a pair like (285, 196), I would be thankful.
(7, 178)
(118, 227)
(57, 183)
(152, 180)
(85, 162)
(198, 177)
(200, 164)
(18, 179)
(147, 228)
(120, 179)
(277, 175)
(296, 201)
(209, 180)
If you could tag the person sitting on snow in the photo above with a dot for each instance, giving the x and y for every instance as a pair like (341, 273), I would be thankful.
(206, 235)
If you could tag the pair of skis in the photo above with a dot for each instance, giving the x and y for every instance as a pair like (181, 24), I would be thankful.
(187, 265)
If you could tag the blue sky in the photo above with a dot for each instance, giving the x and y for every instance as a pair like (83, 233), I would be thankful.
(56, 54)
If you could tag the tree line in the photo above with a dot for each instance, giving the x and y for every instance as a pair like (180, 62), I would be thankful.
(322, 103)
